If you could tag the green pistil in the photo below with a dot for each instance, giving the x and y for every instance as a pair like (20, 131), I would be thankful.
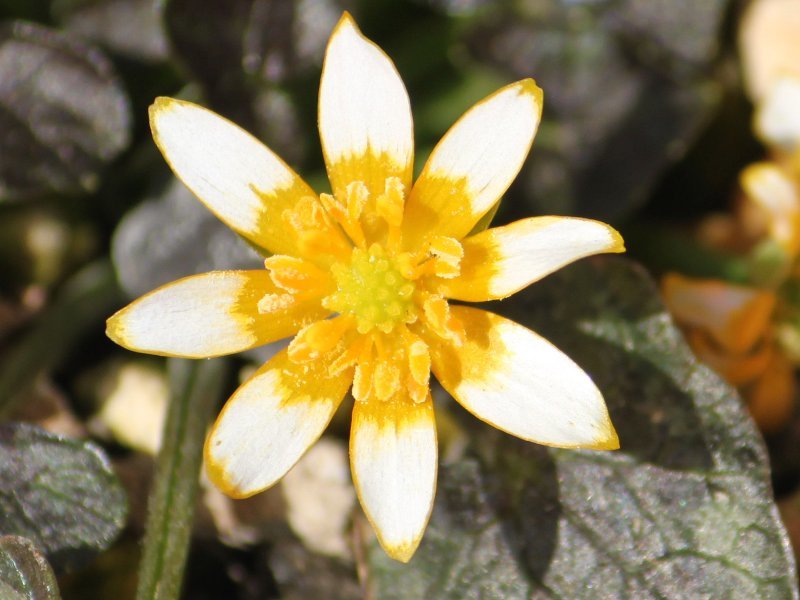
(371, 289)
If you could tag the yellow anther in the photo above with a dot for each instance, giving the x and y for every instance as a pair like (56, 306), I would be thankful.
(272, 303)
(357, 196)
(355, 351)
(419, 361)
(386, 379)
(439, 319)
(341, 213)
(313, 230)
(416, 391)
(389, 205)
(447, 253)
(318, 338)
(294, 275)
(408, 265)
(333, 207)
(362, 379)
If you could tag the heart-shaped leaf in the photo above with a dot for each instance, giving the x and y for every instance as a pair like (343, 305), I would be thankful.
(59, 493)
(63, 112)
(683, 510)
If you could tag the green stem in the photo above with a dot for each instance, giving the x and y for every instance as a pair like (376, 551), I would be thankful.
(84, 302)
(196, 386)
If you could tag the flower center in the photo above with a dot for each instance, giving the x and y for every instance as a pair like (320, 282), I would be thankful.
(371, 288)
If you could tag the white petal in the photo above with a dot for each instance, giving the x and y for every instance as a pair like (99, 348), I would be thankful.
(501, 261)
(269, 423)
(475, 162)
(517, 381)
(394, 460)
(231, 172)
(207, 315)
(777, 119)
(364, 113)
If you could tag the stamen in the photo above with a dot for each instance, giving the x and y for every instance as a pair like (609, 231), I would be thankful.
(313, 230)
(341, 213)
(447, 253)
(358, 349)
(386, 379)
(362, 379)
(357, 196)
(389, 206)
(316, 339)
(272, 303)
(439, 319)
(419, 361)
(295, 275)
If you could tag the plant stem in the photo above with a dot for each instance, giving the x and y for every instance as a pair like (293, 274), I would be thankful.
(196, 386)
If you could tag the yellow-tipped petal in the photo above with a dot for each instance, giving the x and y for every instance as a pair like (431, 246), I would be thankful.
(501, 261)
(394, 461)
(364, 114)
(269, 423)
(517, 381)
(736, 316)
(212, 314)
(236, 176)
(473, 164)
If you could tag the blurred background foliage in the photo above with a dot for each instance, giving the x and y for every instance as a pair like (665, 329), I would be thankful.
(646, 126)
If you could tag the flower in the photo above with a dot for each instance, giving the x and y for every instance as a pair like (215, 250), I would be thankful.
(362, 279)
(750, 332)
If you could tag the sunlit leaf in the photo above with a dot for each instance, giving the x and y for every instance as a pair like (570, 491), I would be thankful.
(24, 572)
(683, 510)
(63, 112)
(59, 493)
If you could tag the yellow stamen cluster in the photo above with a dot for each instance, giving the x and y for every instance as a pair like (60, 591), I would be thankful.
(384, 298)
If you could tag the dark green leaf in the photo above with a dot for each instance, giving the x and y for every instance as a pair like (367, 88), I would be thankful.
(24, 572)
(683, 510)
(174, 236)
(626, 87)
(63, 113)
(131, 27)
(59, 493)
